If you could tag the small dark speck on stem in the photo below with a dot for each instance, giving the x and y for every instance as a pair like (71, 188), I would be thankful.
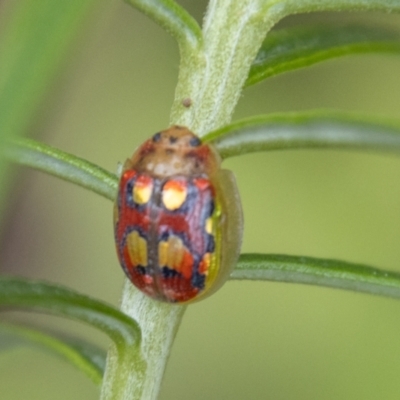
(187, 102)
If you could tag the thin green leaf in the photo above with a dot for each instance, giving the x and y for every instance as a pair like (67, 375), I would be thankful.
(315, 271)
(174, 19)
(25, 294)
(84, 356)
(35, 37)
(313, 129)
(293, 48)
(63, 165)
(287, 7)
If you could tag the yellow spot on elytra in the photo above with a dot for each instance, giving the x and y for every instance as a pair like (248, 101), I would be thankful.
(142, 190)
(176, 252)
(137, 249)
(205, 264)
(116, 213)
(209, 226)
(162, 253)
(170, 253)
(174, 194)
(174, 255)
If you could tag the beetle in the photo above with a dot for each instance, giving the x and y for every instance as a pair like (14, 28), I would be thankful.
(177, 218)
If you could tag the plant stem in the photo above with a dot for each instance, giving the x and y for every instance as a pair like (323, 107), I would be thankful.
(137, 374)
(212, 76)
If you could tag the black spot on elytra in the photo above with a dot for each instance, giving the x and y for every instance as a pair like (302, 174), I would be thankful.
(169, 273)
(195, 142)
(198, 280)
(142, 270)
(210, 244)
(212, 207)
(157, 137)
(173, 139)
(164, 236)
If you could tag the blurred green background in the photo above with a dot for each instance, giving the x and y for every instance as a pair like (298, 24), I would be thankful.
(250, 340)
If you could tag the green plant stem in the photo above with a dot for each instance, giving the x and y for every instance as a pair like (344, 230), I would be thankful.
(211, 75)
(233, 33)
(138, 375)
(212, 78)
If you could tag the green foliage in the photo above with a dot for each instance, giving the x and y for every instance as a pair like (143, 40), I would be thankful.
(66, 166)
(215, 64)
(293, 6)
(174, 19)
(311, 129)
(83, 355)
(34, 40)
(289, 49)
(25, 72)
(321, 272)
(57, 300)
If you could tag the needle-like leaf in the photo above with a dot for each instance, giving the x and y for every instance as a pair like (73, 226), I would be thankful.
(312, 129)
(35, 38)
(288, 49)
(18, 293)
(315, 271)
(174, 19)
(83, 355)
(59, 163)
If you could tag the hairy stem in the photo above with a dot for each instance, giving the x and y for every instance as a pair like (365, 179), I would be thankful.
(137, 375)
(212, 77)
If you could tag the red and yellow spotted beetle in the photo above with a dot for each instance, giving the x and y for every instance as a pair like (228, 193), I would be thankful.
(177, 218)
